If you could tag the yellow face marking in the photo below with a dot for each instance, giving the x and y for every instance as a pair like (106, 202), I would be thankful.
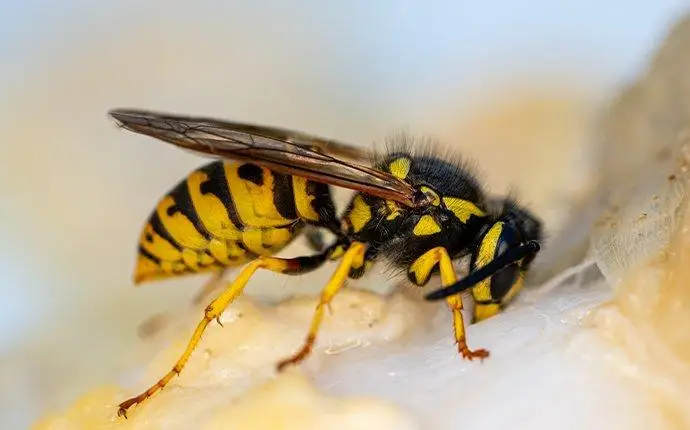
(481, 291)
(435, 199)
(211, 210)
(180, 228)
(486, 253)
(484, 311)
(462, 209)
(487, 249)
(303, 199)
(360, 214)
(400, 167)
(426, 226)
(254, 203)
(157, 246)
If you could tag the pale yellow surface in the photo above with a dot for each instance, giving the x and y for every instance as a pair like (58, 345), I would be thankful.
(77, 222)
(288, 402)
(241, 355)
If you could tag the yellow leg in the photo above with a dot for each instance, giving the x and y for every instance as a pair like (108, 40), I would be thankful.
(448, 277)
(420, 271)
(354, 256)
(213, 311)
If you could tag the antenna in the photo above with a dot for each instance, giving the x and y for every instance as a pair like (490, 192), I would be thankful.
(506, 259)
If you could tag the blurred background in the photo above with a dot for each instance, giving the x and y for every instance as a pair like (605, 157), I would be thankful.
(515, 86)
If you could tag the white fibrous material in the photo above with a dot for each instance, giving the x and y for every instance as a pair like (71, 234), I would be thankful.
(641, 219)
(644, 159)
(642, 242)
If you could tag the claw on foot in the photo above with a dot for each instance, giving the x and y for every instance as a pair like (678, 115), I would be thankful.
(283, 364)
(469, 354)
(294, 360)
(298, 357)
(124, 406)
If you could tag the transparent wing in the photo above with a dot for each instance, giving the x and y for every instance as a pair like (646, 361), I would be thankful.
(284, 151)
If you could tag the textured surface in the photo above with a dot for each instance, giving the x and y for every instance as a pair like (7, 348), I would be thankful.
(558, 359)
(519, 84)
(642, 241)
(645, 155)
(223, 384)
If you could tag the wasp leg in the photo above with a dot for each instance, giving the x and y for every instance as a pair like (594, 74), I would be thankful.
(359, 269)
(420, 271)
(291, 266)
(354, 256)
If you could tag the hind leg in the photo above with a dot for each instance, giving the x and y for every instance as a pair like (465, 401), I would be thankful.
(292, 266)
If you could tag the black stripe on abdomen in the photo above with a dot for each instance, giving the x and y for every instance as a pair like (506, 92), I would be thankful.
(183, 204)
(284, 196)
(163, 232)
(217, 185)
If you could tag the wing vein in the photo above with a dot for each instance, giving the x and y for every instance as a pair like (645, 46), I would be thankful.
(285, 151)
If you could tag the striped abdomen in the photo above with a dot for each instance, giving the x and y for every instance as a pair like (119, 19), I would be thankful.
(225, 214)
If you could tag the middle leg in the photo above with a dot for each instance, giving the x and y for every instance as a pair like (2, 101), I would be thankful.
(420, 272)
(354, 256)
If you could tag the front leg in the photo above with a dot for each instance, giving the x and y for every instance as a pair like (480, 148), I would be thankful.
(420, 272)
(360, 268)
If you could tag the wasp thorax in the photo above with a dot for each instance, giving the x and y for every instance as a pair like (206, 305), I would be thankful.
(431, 196)
(422, 199)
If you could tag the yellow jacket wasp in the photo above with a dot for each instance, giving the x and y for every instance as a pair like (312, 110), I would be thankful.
(418, 212)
